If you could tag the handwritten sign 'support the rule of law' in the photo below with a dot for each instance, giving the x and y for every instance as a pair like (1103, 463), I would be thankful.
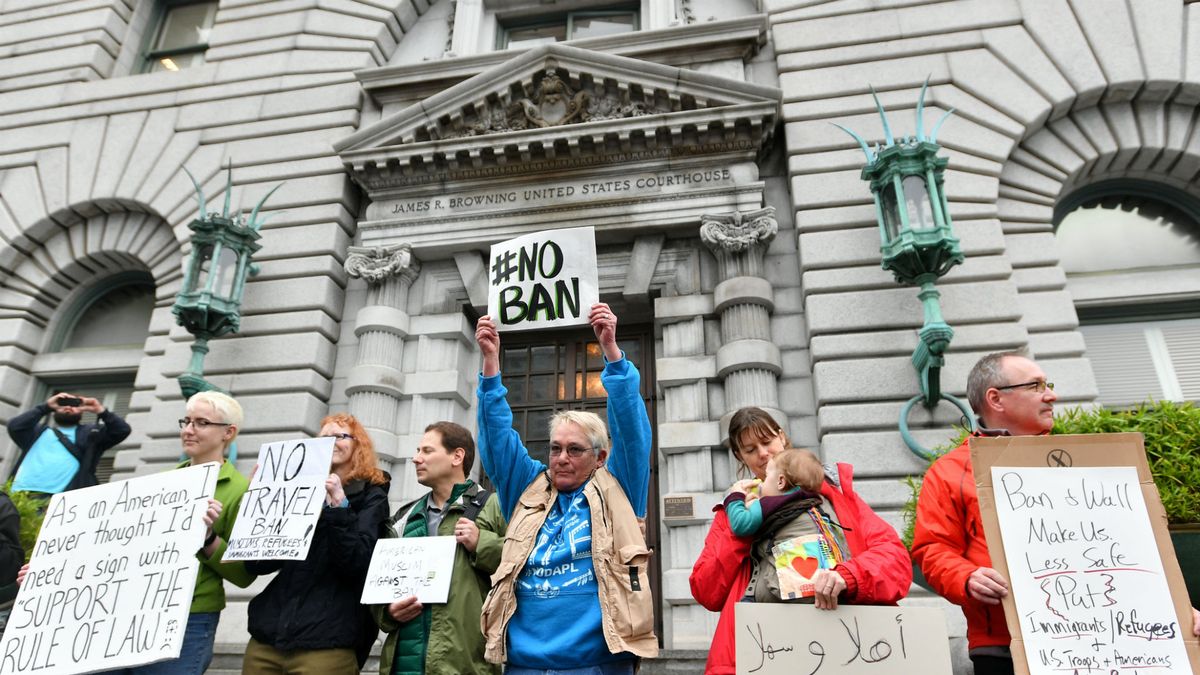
(788, 639)
(1086, 577)
(111, 578)
(416, 566)
(281, 507)
(543, 280)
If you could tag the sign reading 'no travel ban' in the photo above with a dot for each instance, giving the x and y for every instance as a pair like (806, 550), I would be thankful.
(1076, 526)
(543, 280)
(111, 578)
(280, 509)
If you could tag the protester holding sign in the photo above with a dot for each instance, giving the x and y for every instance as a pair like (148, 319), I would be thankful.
(210, 425)
(1010, 394)
(571, 592)
(444, 639)
(872, 566)
(308, 619)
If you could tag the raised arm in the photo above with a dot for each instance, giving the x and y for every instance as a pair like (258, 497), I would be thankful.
(628, 421)
(504, 456)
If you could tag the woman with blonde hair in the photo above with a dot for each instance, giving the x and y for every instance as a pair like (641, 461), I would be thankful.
(308, 619)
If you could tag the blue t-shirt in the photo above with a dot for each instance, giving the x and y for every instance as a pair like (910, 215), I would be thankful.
(48, 466)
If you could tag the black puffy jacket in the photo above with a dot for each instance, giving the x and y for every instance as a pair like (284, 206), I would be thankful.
(314, 603)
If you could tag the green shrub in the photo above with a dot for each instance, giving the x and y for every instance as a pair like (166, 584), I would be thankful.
(1172, 433)
(30, 510)
(1172, 436)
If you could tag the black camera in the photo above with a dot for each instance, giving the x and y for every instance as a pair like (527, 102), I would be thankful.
(70, 401)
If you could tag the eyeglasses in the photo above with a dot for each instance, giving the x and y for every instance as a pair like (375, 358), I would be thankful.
(341, 436)
(1037, 385)
(575, 451)
(200, 423)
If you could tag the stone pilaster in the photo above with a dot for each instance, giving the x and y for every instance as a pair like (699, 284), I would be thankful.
(375, 384)
(748, 362)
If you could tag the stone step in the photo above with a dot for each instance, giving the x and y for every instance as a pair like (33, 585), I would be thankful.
(227, 660)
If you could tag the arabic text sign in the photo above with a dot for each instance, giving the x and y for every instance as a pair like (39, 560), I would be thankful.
(416, 566)
(112, 574)
(786, 639)
(1086, 576)
(283, 503)
(543, 280)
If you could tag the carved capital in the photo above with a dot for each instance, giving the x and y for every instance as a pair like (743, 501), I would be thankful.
(739, 239)
(377, 264)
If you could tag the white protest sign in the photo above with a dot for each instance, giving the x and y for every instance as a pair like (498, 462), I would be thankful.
(1090, 591)
(786, 639)
(416, 566)
(112, 575)
(543, 280)
(280, 509)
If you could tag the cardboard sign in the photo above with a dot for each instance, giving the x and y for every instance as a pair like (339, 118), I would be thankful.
(416, 566)
(112, 574)
(786, 639)
(280, 509)
(543, 280)
(1076, 526)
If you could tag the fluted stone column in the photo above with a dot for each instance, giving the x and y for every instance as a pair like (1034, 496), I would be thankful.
(748, 361)
(375, 384)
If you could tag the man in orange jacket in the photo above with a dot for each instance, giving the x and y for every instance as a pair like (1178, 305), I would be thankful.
(1010, 394)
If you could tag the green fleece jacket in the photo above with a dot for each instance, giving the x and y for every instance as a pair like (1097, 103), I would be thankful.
(445, 638)
(209, 595)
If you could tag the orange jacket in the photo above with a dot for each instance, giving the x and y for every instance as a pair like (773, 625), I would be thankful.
(948, 543)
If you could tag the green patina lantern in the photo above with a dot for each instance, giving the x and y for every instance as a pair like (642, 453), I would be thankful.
(918, 244)
(210, 303)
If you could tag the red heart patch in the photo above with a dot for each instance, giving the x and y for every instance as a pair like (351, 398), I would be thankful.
(807, 567)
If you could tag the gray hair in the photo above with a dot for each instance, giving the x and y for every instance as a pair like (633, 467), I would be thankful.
(987, 374)
(593, 427)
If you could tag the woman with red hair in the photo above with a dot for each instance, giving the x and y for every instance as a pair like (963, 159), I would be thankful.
(309, 620)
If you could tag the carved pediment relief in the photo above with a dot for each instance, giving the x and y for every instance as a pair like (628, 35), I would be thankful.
(558, 104)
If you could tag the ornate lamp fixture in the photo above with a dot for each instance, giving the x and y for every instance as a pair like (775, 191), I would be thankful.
(918, 244)
(210, 303)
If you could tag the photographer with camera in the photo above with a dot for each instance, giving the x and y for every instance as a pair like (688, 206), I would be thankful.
(64, 456)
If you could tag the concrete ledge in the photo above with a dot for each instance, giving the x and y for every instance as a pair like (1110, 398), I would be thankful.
(741, 354)
(381, 379)
(744, 290)
(381, 318)
(675, 370)
(682, 307)
(674, 437)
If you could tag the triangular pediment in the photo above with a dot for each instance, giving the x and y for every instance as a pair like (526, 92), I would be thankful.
(557, 101)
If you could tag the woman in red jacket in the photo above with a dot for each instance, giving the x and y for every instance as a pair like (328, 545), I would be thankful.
(878, 570)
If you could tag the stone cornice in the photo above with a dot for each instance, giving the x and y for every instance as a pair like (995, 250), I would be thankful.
(684, 45)
(561, 107)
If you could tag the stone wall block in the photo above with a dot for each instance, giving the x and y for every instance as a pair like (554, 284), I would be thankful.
(1054, 25)
(1108, 23)
(1029, 250)
(1014, 45)
(883, 454)
(1062, 344)
(984, 336)
(855, 417)
(900, 308)
(1048, 310)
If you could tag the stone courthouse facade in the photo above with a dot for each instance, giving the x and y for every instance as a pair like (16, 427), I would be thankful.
(735, 237)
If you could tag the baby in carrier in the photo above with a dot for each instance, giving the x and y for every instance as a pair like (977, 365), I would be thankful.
(793, 535)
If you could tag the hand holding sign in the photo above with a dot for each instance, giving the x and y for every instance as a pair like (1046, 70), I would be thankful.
(543, 280)
(604, 323)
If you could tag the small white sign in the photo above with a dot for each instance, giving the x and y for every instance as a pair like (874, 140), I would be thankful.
(543, 280)
(415, 566)
(280, 509)
(789, 639)
(112, 575)
(1086, 575)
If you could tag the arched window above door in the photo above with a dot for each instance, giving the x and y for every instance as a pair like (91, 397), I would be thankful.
(1131, 252)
